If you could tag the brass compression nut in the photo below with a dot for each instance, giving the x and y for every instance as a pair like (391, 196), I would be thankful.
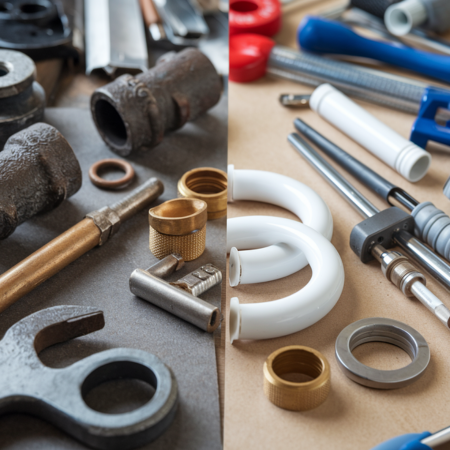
(178, 226)
(297, 396)
(207, 184)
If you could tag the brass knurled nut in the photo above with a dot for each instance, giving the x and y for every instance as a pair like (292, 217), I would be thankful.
(207, 184)
(178, 226)
(292, 395)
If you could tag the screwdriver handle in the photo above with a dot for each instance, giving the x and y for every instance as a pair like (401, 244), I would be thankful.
(320, 35)
(410, 441)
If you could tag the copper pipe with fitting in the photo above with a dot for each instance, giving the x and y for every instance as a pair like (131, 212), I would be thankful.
(207, 184)
(94, 230)
(178, 226)
(297, 396)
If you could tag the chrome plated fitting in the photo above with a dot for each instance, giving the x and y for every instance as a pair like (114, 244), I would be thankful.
(179, 297)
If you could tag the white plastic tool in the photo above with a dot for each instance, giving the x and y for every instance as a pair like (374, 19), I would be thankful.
(279, 260)
(406, 158)
(401, 18)
(302, 309)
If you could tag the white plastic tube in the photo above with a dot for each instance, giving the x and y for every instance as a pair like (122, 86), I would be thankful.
(300, 310)
(401, 18)
(409, 160)
(279, 260)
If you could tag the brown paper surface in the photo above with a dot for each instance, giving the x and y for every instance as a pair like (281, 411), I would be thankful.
(353, 417)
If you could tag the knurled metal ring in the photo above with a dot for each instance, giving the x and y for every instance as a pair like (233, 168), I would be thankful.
(207, 184)
(103, 164)
(293, 395)
(382, 330)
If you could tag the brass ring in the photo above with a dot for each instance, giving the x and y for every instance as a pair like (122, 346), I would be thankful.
(293, 395)
(207, 184)
(100, 182)
(178, 226)
(178, 217)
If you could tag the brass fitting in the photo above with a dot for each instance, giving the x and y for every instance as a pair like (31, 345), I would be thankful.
(293, 395)
(397, 269)
(178, 226)
(207, 184)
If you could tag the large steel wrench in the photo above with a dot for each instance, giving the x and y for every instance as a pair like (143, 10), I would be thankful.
(56, 395)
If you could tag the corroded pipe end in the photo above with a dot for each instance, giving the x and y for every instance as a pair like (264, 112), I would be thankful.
(39, 171)
(133, 113)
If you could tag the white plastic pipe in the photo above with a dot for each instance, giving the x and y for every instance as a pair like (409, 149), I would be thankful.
(409, 160)
(300, 310)
(401, 18)
(279, 260)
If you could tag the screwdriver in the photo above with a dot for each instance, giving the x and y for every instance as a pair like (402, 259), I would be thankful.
(417, 441)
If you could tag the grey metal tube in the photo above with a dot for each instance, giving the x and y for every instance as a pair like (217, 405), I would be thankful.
(174, 300)
(432, 263)
(352, 195)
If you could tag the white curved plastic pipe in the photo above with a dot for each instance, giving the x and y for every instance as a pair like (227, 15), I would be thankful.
(279, 260)
(304, 308)
(409, 160)
(401, 18)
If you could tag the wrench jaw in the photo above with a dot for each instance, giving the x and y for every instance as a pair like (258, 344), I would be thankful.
(57, 395)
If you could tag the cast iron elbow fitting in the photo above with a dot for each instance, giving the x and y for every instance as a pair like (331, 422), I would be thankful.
(133, 113)
(22, 99)
(38, 171)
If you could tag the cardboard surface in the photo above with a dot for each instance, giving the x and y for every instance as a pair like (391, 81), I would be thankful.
(100, 278)
(353, 417)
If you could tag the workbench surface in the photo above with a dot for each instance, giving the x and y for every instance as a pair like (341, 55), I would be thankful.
(353, 416)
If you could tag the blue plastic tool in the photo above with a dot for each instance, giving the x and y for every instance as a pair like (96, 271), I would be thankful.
(405, 442)
(319, 35)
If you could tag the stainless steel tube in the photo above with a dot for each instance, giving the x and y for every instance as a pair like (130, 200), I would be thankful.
(352, 195)
(431, 262)
(427, 259)
(174, 300)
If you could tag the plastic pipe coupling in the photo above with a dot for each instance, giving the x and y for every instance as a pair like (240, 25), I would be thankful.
(22, 99)
(38, 172)
(207, 184)
(178, 226)
(134, 113)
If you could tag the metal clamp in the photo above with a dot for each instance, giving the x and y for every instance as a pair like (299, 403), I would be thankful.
(180, 297)
(382, 330)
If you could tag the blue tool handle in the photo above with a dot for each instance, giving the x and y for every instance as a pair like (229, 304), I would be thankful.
(320, 35)
(405, 442)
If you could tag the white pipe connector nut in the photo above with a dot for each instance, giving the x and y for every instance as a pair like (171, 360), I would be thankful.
(409, 160)
(279, 260)
(401, 18)
(302, 309)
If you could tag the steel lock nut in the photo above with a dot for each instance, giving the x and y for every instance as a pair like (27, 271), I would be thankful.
(178, 226)
(207, 184)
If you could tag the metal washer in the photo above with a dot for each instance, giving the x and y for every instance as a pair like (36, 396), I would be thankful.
(382, 330)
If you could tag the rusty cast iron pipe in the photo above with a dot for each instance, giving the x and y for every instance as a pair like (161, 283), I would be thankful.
(38, 171)
(133, 113)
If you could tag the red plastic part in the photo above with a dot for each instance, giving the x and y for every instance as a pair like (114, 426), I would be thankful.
(249, 54)
(254, 16)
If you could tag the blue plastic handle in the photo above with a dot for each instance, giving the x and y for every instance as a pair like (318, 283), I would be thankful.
(405, 442)
(320, 35)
